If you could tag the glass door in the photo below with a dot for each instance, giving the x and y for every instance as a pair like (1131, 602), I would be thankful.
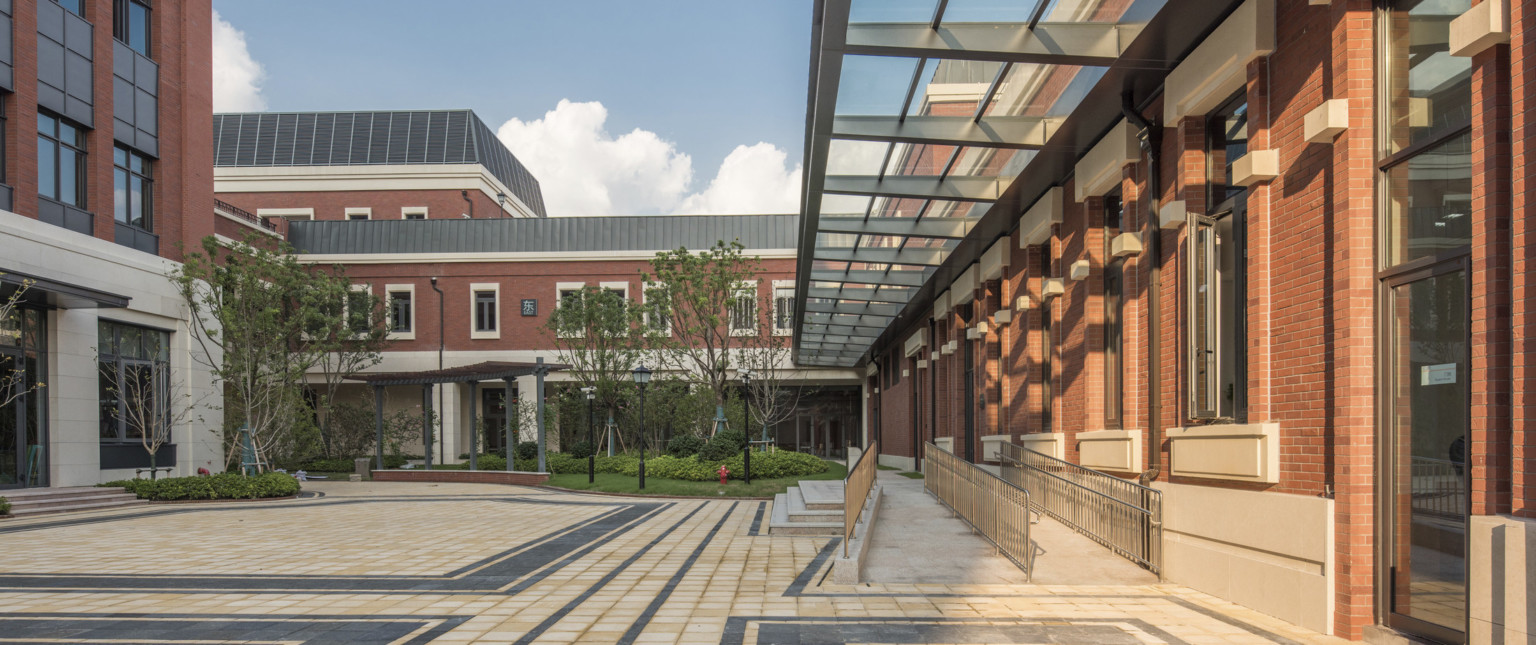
(1427, 422)
(12, 422)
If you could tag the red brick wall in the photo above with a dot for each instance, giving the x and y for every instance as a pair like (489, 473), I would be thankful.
(517, 280)
(386, 204)
(1523, 271)
(183, 190)
(510, 478)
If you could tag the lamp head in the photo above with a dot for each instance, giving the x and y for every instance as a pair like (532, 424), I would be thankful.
(642, 376)
(501, 198)
(591, 392)
(746, 377)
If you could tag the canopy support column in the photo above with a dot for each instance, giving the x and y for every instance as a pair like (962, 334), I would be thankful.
(538, 391)
(474, 425)
(509, 403)
(426, 422)
(378, 426)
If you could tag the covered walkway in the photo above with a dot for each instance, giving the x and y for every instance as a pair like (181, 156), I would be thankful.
(918, 541)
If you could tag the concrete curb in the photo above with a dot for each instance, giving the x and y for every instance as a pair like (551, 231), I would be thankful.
(849, 570)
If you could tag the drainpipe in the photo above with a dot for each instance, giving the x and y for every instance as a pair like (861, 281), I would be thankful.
(1151, 145)
(441, 429)
(471, 202)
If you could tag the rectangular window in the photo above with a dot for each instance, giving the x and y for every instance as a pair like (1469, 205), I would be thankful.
(130, 24)
(132, 188)
(402, 317)
(413, 213)
(359, 311)
(783, 310)
(658, 312)
(485, 311)
(76, 7)
(1114, 316)
(743, 310)
(133, 382)
(1217, 261)
(356, 217)
(60, 160)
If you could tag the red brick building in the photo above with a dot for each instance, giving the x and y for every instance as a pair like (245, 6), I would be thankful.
(1262, 257)
(106, 175)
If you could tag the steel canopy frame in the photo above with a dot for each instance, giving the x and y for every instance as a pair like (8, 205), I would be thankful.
(1138, 51)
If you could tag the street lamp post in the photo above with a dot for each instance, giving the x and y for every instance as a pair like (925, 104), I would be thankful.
(642, 378)
(591, 393)
(746, 425)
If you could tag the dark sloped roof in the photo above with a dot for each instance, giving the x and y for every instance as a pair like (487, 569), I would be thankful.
(266, 139)
(554, 234)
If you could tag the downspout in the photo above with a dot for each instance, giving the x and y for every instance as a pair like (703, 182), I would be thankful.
(471, 202)
(442, 429)
(1151, 139)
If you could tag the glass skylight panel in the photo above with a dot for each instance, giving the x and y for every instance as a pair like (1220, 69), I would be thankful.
(846, 205)
(988, 11)
(849, 157)
(874, 85)
(891, 10)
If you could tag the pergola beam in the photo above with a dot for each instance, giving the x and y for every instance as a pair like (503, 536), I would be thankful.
(1017, 132)
(954, 188)
(854, 309)
(871, 276)
(949, 228)
(866, 294)
(918, 256)
(1093, 44)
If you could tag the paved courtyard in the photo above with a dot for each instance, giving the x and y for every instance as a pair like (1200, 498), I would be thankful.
(416, 563)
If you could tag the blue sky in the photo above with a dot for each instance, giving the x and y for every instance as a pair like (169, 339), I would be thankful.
(706, 75)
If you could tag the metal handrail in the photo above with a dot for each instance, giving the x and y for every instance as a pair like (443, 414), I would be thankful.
(1124, 516)
(997, 509)
(244, 214)
(861, 478)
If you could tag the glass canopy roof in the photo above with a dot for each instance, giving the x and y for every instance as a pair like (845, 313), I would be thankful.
(923, 114)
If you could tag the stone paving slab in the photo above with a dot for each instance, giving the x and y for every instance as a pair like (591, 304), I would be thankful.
(460, 563)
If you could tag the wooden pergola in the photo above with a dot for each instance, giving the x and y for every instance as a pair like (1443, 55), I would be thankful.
(472, 374)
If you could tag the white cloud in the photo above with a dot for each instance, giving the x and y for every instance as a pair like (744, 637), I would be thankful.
(236, 76)
(585, 170)
(752, 179)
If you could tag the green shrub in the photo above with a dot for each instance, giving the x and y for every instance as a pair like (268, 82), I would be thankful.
(582, 450)
(336, 465)
(221, 486)
(684, 445)
(526, 450)
(765, 465)
(724, 444)
(5, 506)
(491, 462)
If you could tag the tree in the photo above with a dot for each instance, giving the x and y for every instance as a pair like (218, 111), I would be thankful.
(698, 294)
(774, 399)
(346, 336)
(260, 319)
(598, 333)
(13, 383)
(152, 402)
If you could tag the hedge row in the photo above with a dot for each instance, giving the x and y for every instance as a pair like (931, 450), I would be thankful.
(222, 486)
(770, 465)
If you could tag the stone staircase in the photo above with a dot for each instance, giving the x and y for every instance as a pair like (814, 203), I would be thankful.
(812, 508)
(34, 501)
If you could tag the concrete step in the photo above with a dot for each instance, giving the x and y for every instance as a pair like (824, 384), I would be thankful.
(820, 495)
(799, 512)
(88, 506)
(779, 522)
(55, 500)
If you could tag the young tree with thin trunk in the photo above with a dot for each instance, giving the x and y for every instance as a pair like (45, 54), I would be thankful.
(700, 293)
(598, 333)
(346, 335)
(153, 402)
(13, 382)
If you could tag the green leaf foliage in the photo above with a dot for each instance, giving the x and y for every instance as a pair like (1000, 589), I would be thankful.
(222, 486)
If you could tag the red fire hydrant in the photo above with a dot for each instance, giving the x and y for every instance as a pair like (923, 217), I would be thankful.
(723, 472)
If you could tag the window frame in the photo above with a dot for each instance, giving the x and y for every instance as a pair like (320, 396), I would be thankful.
(646, 311)
(561, 290)
(778, 307)
(475, 290)
(1206, 300)
(744, 291)
(159, 365)
(146, 177)
(56, 142)
(390, 290)
(351, 213)
(122, 25)
(413, 212)
(1114, 314)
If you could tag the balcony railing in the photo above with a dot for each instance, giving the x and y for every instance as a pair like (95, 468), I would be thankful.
(243, 214)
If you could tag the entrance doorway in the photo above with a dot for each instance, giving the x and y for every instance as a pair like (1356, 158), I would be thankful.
(493, 415)
(23, 436)
(1426, 446)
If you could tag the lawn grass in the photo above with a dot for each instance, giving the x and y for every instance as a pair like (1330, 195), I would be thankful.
(615, 483)
(885, 467)
(911, 475)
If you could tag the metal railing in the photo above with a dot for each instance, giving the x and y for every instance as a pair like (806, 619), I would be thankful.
(1439, 487)
(1122, 515)
(861, 478)
(997, 509)
(244, 214)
